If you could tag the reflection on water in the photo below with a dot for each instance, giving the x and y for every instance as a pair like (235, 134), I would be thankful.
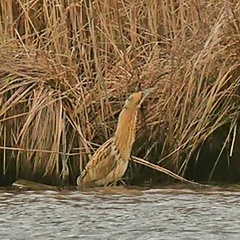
(169, 213)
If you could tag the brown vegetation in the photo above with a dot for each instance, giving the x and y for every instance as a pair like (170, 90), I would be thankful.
(66, 67)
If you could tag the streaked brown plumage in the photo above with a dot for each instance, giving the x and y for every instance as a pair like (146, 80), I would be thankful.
(110, 161)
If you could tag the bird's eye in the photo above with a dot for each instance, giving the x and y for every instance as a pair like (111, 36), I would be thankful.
(130, 98)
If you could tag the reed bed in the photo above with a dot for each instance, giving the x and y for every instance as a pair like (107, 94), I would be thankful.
(66, 67)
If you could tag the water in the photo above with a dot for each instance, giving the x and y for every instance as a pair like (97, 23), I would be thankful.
(169, 213)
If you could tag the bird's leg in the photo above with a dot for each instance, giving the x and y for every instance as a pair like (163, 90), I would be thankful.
(113, 184)
(123, 183)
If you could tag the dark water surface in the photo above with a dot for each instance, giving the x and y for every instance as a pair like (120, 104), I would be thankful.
(169, 213)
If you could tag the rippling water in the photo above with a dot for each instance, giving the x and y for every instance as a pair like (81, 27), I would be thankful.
(169, 213)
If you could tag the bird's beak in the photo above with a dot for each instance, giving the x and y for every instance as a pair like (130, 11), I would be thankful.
(145, 93)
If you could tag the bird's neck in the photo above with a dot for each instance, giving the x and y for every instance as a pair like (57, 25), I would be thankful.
(125, 134)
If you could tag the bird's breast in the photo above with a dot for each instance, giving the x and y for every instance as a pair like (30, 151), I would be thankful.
(119, 170)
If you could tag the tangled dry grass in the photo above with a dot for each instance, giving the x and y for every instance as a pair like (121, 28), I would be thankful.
(67, 66)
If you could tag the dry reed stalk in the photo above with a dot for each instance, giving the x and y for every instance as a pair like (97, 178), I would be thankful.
(162, 170)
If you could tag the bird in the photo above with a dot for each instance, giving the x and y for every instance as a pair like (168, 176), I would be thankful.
(110, 161)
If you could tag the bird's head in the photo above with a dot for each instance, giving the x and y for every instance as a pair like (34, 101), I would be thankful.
(135, 100)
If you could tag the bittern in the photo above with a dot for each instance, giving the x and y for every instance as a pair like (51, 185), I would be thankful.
(110, 161)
